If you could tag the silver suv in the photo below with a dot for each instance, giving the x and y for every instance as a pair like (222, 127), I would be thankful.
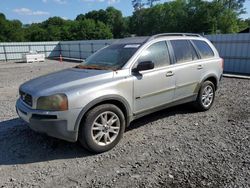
(95, 101)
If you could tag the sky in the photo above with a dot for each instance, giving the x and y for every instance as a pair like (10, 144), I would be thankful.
(30, 11)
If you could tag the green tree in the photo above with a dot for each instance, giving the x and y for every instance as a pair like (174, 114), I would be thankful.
(4, 28)
(234, 5)
(111, 17)
(224, 15)
(10, 30)
(228, 22)
(54, 26)
(66, 33)
(198, 16)
(88, 29)
(247, 21)
(35, 32)
(167, 17)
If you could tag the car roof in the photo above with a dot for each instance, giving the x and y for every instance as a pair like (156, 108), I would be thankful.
(133, 40)
(144, 39)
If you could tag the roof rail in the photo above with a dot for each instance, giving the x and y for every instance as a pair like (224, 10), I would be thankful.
(174, 34)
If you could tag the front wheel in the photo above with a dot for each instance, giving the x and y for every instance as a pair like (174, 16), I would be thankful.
(102, 128)
(205, 97)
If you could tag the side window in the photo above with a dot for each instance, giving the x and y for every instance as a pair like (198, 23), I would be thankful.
(157, 53)
(183, 50)
(204, 48)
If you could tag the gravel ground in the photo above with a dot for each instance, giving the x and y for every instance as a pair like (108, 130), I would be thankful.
(176, 147)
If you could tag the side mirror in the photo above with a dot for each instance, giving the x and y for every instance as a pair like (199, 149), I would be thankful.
(145, 65)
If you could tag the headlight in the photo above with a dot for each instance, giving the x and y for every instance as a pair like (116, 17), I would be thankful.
(58, 102)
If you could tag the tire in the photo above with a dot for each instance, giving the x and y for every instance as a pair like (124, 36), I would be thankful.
(102, 128)
(205, 96)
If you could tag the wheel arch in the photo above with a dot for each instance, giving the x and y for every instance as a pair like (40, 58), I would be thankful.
(212, 78)
(119, 101)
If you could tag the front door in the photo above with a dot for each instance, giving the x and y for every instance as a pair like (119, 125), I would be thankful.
(155, 87)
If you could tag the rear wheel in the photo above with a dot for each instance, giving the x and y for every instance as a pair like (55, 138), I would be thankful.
(205, 97)
(102, 128)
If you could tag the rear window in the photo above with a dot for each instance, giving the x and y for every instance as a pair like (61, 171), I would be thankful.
(183, 50)
(204, 49)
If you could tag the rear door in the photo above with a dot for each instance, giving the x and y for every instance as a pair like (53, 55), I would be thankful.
(187, 69)
(209, 63)
(153, 88)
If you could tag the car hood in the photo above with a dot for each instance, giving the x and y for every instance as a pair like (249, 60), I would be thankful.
(63, 80)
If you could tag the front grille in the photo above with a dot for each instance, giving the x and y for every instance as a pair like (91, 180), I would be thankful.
(27, 98)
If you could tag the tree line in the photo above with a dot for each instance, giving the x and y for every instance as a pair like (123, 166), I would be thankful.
(196, 16)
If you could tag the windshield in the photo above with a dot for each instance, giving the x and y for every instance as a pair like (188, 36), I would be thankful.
(112, 57)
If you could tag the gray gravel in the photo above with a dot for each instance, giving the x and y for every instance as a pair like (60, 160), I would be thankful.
(176, 147)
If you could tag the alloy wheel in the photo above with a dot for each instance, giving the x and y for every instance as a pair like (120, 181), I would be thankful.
(105, 128)
(207, 96)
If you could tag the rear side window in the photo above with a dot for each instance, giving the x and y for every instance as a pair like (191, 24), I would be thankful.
(157, 53)
(204, 49)
(183, 50)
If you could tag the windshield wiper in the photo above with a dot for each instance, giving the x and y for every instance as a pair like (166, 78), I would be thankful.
(94, 67)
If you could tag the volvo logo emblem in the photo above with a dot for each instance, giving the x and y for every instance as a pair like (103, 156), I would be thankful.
(23, 97)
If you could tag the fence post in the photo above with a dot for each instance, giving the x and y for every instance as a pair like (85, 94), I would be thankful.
(69, 50)
(80, 53)
(92, 48)
(44, 50)
(60, 49)
(5, 55)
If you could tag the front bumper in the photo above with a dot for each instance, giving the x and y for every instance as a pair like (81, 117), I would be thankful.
(60, 124)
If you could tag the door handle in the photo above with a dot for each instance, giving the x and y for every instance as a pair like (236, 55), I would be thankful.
(169, 73)
(199, 67)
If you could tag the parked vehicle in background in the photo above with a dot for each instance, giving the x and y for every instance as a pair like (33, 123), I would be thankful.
(95, 101)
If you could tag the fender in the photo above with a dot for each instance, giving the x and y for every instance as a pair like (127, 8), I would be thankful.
(209, 76)
(100, 100)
